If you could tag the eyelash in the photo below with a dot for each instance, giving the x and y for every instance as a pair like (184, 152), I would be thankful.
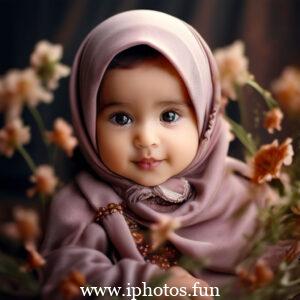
(178, 116)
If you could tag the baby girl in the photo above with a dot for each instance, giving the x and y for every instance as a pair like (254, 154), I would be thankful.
(145, 98)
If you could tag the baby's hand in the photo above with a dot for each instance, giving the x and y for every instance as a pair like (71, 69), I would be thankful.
(180, 278)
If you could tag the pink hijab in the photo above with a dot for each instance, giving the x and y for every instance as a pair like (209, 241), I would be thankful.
(207, 227)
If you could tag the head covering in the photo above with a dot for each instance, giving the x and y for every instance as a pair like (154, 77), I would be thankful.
(206, 226)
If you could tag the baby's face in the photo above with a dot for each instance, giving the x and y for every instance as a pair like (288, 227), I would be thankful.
(146, 125)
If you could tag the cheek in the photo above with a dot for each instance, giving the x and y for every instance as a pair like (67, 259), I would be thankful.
(184, 144)
(113, 148)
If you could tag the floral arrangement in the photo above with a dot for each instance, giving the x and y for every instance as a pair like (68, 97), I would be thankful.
(279, 220)
(19, 90)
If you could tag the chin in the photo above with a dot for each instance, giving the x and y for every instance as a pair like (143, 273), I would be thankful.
(149, 183)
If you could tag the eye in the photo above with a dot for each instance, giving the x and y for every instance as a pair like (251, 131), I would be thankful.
(169, 116)
(120, 119)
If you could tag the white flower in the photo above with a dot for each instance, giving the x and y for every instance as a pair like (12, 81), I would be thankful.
(45, 60)
(45, 52)
(233, 68)
(19, 88)
(13, 135)
(31, 89)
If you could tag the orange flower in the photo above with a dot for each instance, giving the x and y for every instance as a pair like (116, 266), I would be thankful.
(27, 223)
(62, 136)
(10, 230)
(261, 276)
(296, 209)
(45, 181)
(273, 120)
(263, 273)
(248, 279)
(70, 286)
(268, 161)
(34, 259)
(161, 231)
(13, 135)
(286, 90)
(233, 67)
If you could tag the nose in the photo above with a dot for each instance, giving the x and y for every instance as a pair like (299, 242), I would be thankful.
(146, 136)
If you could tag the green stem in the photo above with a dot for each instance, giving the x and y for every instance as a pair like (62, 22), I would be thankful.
(39, 121)
(244, 137)
(54, 154)
(43, 201)
(41, 126)
(270, 101)
(27, 158)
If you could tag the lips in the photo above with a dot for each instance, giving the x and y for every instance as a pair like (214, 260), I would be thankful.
(148, 163)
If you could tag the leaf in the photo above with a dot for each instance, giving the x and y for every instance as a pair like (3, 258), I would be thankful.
(15, 282)
(279, 186)
(244, 137)
(267, 96)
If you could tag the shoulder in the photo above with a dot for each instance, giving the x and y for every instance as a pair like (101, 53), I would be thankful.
(69, 205)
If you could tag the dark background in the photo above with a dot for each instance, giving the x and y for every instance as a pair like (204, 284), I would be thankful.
(269, 28)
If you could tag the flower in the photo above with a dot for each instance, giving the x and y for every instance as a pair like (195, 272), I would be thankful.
(19, 88)
(296, 209)
(45, 52)
(161, 231)
(286, 90)
(45, 60)
(70, 286)
(257, 278)
(27, 223)
(62, 136)
(233, 68)
(263, 273)
(45, 181)
(13, 135)
(34, 259)
(269, 159)
(25, 86)
(10, 101)
(10, 230)
(273, 120)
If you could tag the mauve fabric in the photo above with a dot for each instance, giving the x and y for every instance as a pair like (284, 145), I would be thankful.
(107, 255)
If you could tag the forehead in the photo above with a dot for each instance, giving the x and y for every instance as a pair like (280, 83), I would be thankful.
(156, 79)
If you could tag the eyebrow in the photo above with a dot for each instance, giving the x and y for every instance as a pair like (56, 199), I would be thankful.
(160, 103)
